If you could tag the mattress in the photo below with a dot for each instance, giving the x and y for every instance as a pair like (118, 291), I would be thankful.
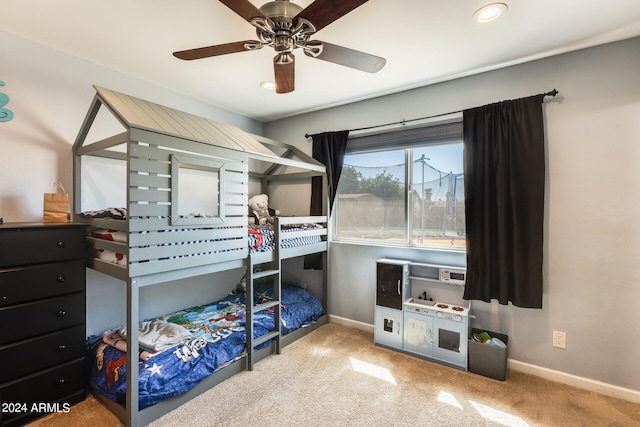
(216, 337)
(260, 239)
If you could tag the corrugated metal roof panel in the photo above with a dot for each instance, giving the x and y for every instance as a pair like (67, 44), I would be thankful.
(147, 115)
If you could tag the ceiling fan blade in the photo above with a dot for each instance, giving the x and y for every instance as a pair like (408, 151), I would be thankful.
(284, 69)
(323, 12)
(244, 8)
(219, 49)
(344, 56)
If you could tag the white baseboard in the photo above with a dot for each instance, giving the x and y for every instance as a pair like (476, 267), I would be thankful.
(538, 371)
(575, 381)
(350, 323)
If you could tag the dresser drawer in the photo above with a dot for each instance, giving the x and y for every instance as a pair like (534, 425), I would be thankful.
(21, 246)
(61, 384)
(22, 284)
(35, 354)
(40, 317)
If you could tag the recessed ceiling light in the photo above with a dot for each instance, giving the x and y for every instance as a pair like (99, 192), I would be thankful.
(268, 85)
(490, 12)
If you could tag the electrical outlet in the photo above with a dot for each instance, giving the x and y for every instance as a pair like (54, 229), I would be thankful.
(559, 339)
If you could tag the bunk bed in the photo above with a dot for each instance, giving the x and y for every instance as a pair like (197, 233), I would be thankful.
(161, 235)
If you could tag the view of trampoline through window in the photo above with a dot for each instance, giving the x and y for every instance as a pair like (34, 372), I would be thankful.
(413, 195)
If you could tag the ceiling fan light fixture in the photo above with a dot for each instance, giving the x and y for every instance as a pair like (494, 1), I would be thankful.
(490, 12)
(286, 26)
(268, 85)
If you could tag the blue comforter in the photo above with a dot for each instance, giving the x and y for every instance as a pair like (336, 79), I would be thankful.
(218, 337)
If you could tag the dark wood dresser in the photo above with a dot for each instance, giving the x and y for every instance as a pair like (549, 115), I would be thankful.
(42, 319)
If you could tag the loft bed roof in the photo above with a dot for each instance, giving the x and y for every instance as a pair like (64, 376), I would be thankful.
(136, 113)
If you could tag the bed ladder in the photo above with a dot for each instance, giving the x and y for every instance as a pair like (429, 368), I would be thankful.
(263, 270)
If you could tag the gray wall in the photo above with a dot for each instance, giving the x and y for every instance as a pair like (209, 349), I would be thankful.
(50, 94)
(591, 244)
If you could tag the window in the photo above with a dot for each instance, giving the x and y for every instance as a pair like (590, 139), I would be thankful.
(370, 196)
(404, 187)
(437, 197)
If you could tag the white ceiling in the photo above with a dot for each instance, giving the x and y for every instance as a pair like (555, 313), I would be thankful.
(423, 41)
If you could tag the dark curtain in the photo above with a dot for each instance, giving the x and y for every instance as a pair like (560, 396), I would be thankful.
(504, 170)
(329, 149)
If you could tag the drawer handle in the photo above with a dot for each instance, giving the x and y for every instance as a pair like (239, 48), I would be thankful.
(61, 381)
(60, 279)
(60, 244)
(61, 313)
(62, 347)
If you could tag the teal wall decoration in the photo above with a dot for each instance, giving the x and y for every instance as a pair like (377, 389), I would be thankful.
(5, 113)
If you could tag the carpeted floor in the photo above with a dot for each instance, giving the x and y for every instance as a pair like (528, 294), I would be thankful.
(337, 377)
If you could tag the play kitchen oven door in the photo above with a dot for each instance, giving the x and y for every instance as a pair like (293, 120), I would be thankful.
(436, 335)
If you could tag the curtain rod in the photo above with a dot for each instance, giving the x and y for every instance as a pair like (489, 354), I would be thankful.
(551, 93)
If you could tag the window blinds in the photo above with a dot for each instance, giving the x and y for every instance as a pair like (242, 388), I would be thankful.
(407, 137)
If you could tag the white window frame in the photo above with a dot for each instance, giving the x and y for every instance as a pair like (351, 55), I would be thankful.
(408, 204)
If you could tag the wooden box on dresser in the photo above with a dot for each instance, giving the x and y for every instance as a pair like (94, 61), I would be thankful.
(42, 319)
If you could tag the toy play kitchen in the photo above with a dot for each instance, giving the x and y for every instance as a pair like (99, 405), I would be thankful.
(420, 310)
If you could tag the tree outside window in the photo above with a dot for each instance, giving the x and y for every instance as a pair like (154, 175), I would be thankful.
(381, 198)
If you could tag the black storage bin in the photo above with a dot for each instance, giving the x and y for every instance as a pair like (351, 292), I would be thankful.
(488, 360)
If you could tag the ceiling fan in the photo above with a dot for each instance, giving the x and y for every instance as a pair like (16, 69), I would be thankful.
(286, 26)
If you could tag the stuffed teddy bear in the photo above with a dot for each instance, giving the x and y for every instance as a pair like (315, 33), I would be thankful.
(259, 211)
